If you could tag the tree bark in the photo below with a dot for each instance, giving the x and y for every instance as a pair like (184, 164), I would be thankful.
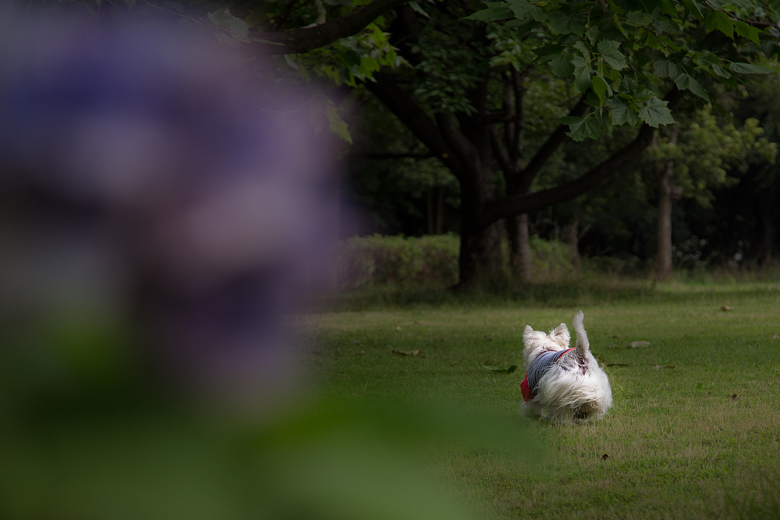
(766, 205)
(572, 238)
(665, 175)
(440, 211)
(519, 247)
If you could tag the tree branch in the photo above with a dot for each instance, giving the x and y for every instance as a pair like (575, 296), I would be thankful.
(309, 38)
(412, 115)
(499, 151)
(529, 173)
(517, 204)
(459, 143)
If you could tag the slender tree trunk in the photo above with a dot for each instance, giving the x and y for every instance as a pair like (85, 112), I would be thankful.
(519, 247)
(665, 173)
(440, 211)
(766, 205)
(429, 199)
(572, 238)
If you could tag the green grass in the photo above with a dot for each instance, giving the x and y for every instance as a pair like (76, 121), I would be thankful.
(695, 427)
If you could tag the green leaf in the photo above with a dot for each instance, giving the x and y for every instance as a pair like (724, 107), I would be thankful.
(588, 128)
(581, 73)
(518, 23)
(592, 33)
(748, 68)
(550, 50)
(416, 8)
(612, 55)
(616, 23)
(599, 87)
(656, 113)
(638, 19)
(567, 120)
(693, 7)
(563, 23)
(491, 14)
(580, 46)
(720, 72)
(666, 69)
(561, 65)
(337, 125)
(622, 113)
(521, 8)
(720, 21)
(746, 31)
(686, 82)
(539, 14)
(235, 27)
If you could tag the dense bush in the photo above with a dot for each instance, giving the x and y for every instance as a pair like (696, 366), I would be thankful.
(395, 260)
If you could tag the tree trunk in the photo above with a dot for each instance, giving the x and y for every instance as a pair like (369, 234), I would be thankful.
(665, 173)
(429, 199)
(519, 247)
(766, 205)
(440, 211)
(572, 238)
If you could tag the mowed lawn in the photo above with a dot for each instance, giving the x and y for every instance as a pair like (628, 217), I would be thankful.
(695, 427)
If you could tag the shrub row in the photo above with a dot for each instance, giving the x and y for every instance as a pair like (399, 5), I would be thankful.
(412, 261)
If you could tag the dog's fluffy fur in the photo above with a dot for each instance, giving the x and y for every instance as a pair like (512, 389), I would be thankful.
(575, 388)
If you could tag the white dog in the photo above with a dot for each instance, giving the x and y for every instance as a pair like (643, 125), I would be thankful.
(563, 384)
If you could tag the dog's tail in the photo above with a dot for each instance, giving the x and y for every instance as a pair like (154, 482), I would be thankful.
(582, 339)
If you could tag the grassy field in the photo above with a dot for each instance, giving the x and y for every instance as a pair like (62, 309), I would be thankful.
(695, 427)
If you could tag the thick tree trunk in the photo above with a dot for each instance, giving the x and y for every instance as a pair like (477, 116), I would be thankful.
(665, 173)
(519, 247)
(481, 258)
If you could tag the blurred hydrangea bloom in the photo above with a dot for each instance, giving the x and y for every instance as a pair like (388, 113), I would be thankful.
(161, 175)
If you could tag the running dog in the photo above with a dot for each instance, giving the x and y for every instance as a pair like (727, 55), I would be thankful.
(563, 384)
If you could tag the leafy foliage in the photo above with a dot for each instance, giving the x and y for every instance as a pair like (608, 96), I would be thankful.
(708, 150)
(624, 52)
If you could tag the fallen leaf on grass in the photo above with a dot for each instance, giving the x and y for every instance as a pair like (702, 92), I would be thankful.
(604, 457)
(659, 367)
(726, 308)
(398, 328)
(774, 336)
(362, 352)
(734, 397)
(639, 344)
(499, 370)
(407, 352)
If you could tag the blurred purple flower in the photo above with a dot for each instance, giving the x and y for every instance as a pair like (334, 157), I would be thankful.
(199, 193)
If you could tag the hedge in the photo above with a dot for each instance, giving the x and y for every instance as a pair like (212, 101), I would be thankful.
(430, 260)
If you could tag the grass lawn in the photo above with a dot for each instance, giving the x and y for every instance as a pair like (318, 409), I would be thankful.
(695, 427)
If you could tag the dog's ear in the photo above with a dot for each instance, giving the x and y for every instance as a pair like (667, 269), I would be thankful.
(528, 335)
(561, 335)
